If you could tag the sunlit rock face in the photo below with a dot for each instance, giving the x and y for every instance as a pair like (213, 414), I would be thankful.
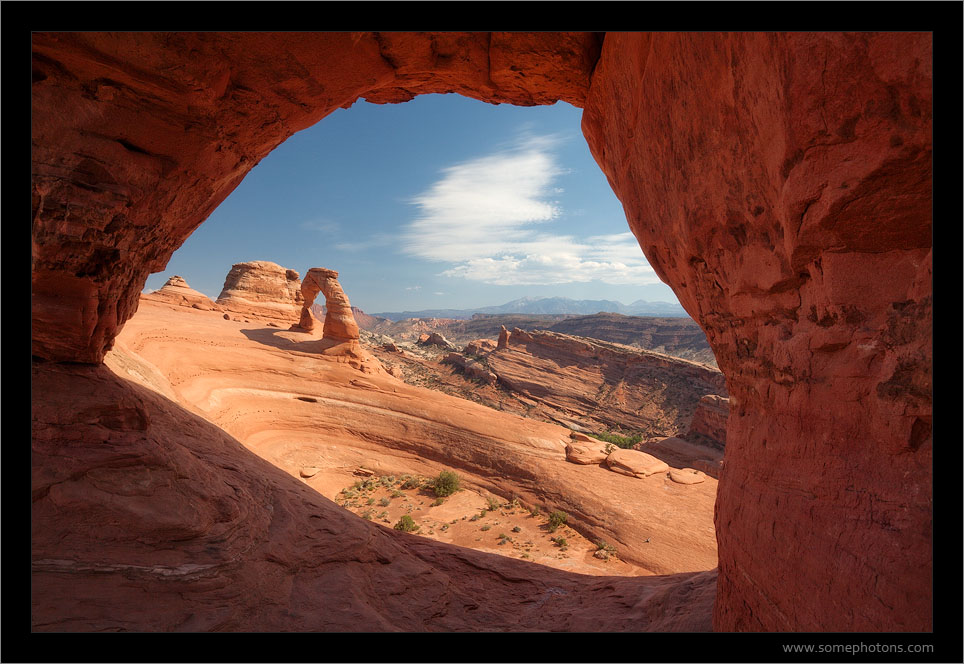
(340, 322)
(780, 183)
(263, 289)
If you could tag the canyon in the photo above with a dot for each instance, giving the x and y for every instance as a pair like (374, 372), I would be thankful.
(780, 183)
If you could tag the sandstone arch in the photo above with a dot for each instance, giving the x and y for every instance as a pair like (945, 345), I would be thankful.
(780, 183)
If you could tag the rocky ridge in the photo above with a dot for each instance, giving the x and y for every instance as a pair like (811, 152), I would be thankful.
(177, 291)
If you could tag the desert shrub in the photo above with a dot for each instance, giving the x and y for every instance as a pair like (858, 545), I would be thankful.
(446, 484)
(409, 482)
(370, 501)
(406, 524)
(556, 519)
(626, 442)
(485, 527)
(385, 502)
(437, 502)
(493, 503)
(560, 541)
(397, 494)
(602, 545)
(517, 529)
(608, 449)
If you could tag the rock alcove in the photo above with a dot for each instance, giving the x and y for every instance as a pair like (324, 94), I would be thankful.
(780, 183)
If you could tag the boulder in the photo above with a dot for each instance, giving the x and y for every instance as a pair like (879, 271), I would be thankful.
(436, 339)
(634, 463)
(687, 475)
(585, 453)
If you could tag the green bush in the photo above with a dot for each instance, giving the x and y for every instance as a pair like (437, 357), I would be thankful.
(602, 545)
(556, 519)
(560, 542)
(626, 442)
(492, 503)
(406, 524)
(446, 484)
(437, 502)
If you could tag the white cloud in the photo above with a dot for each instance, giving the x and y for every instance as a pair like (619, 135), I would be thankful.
(415, 288)
(492, 218)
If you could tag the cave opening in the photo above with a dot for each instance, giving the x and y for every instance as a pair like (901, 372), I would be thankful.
(784, 191)
(553, 186)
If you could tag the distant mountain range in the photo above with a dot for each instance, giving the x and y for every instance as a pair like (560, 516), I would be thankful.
(548, 305)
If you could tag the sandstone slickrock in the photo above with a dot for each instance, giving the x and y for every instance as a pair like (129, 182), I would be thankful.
(603, 385)
(585, 453)
(634, 463)
(176, 291)
(779, 182)
(262, 289)
(687, 475)
(155, 499)
(470, 367)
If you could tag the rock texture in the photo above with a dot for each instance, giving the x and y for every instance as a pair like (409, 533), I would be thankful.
(679, 337)
(779, 182)
(634, 463)
(176, 291)
(340, 325)
(262, 289)
(471, 368)
(801, 242)
(155, 500)
(503, 338)
(604, 386)
(708, 425)
(436, 339)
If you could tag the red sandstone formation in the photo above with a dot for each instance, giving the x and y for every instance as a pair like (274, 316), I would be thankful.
(340, 325)
(479, 347)
(801, 242)
(364, 321)
(604, 386)
(708, 425)
(262, 289)
(436, 339)
(176, 291)
(634, 463)
(779, 182)
(503, 338)
(471, 368)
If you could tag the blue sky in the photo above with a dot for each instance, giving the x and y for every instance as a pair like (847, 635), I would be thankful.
(440, 202)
